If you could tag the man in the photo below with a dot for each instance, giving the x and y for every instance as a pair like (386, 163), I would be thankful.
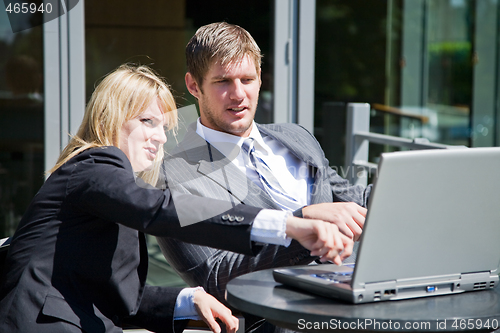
(226, 155)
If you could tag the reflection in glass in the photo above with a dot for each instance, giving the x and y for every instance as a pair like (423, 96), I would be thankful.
(21, 120)
(429, 68)
(449, 57)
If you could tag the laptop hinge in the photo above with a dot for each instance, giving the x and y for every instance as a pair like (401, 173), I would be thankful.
(478, 281)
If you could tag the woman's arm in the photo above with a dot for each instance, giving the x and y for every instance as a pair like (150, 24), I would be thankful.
(102, 184)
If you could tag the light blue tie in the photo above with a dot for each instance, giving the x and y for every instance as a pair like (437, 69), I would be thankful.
(270, 184)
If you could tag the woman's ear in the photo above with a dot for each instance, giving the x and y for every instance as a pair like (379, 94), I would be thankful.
(192, 85)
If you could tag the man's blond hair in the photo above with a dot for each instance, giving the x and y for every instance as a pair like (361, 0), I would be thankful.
(221, 43)
(122, 95)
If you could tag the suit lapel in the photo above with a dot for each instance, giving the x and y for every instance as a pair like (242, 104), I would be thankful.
(293, 143)
(292, 140)
(229, 177)
(221, 171)
(213, 165)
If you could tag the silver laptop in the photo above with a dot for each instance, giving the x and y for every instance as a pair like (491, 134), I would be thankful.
(433, 228)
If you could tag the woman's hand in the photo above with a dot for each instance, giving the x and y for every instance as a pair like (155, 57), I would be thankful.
(209, 308)
(323, 239)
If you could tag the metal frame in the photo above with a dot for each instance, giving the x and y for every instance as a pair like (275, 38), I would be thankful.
(285, 56)
(358, 137)
(294, 52)
(64, 78)
(485, 70)
(306, 55)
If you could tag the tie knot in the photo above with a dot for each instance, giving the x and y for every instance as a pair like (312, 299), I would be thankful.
(248, 145)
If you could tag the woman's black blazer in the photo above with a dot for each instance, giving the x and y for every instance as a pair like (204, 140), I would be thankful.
(78, 259)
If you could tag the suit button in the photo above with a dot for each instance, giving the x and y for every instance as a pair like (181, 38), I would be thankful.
(239, 218)
(225, 217)
(231, 218)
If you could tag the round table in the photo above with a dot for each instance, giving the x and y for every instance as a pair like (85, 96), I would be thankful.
(258, 294)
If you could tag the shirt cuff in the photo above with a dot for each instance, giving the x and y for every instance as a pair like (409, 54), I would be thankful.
(184, 305)
(269, 227)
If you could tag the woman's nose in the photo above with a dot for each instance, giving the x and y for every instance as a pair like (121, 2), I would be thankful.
(160, 135)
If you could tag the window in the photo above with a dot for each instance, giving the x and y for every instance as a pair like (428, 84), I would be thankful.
(21, 119)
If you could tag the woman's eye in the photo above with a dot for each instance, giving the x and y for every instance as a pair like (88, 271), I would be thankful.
(147, 121)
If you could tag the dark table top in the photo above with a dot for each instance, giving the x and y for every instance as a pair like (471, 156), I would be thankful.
(257, 293)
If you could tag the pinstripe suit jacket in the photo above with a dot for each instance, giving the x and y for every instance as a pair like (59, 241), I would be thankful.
(198, 168)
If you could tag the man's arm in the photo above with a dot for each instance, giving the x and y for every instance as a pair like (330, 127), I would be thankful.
(348, 207)
(349, 217)
(321, 238)
(345, 192)
(212, 269)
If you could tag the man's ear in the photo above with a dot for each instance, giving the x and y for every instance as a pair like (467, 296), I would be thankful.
(192, 86)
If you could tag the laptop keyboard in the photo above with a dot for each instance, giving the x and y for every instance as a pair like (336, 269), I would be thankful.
(336, 277)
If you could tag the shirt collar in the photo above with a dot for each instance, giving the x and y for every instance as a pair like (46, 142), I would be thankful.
(225, 142)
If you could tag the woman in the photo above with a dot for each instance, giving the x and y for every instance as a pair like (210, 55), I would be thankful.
(78, 260)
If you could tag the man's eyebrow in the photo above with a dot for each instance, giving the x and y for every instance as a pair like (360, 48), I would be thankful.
(219, 77)
(224, 77)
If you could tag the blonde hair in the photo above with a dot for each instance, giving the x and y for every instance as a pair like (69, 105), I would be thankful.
(122, 95)
(219, 42)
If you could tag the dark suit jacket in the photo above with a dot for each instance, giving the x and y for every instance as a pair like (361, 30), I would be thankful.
(197, 167)
(78, 260)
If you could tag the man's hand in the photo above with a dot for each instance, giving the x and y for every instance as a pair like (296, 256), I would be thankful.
(349, 217)
(323, 239)
(209, 308)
